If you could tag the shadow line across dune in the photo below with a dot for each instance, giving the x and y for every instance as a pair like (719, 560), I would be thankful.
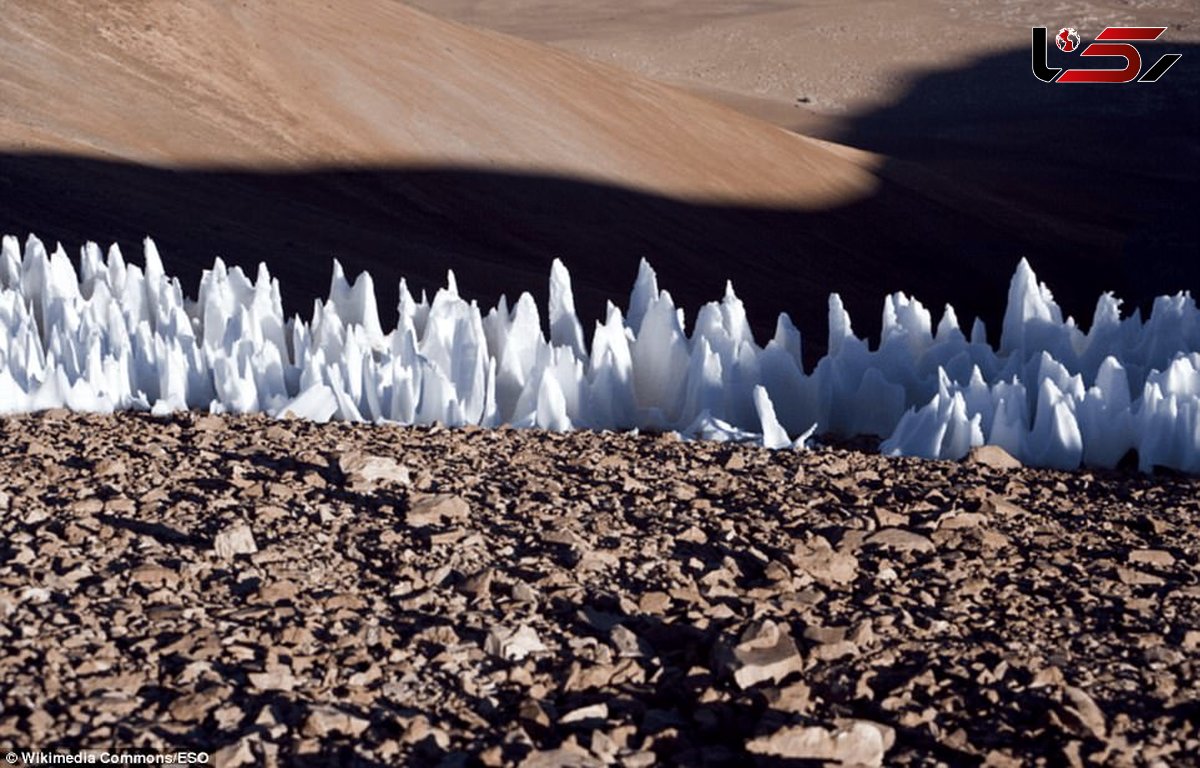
(984, 165)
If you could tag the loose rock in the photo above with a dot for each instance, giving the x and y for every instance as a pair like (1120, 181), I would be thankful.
(235, 540)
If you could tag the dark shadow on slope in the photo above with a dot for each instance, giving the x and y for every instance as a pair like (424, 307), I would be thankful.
(1096, 185)
(1121, 161)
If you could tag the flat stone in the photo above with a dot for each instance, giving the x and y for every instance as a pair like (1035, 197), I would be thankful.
(825, 634)
(437, 509)
(325, 720)
(993, 456)
(795, 698)
(209, 423)
(154, 576)
(859, 743)
(591, 712)
(900, 540)
(764, 652)
(235, 540)
(1159, 557)
(1081, 712)
(1134, 577)
(274, 679)
(962, 520)
(110, 468)
(627, 643)
(560, 758)
(827, 566)
(654, 603)
(365, 471)
(513, 645)
(194, 707)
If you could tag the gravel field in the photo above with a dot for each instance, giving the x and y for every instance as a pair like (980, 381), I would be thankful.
(281, 592)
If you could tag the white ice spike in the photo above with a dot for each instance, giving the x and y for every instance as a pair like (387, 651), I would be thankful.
(102, 334)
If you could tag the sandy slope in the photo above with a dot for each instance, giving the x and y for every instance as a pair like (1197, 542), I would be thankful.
(406, 144)
(284, 83)
(801, 63)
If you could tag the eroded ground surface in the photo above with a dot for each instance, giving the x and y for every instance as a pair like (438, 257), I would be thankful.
(500, 597)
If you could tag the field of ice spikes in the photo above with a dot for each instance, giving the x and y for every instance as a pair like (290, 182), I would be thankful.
(112, 335)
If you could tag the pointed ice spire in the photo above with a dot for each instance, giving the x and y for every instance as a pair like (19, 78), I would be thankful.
(660, 359)
(10, 263)
(733, 313)
(840, 328)
(948, 330)
(645, 290)
(356, 304)
(787, 338)
(1031, 309)
(979, 332)
(773, 435)
(1055, 436)
(154, 266)
(565, 329)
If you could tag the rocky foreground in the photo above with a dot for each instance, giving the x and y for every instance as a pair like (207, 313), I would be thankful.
(285, 592)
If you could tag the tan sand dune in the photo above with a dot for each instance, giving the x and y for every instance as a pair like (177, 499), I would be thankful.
(289, 83)
(804, 64)
(294, 132)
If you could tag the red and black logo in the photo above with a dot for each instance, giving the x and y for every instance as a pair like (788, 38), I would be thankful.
(1114, 42)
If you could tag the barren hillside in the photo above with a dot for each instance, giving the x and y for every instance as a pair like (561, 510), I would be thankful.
(292, 84)
(296, 132)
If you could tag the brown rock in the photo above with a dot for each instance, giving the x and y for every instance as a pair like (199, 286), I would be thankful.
(209, 423)
(825, 634)
(235, 755)
(323, 721)
(364, 471)
(835, 651)
(582, 714)
(825, 565)
(1082, 715)
(957, 520)
(513, 645)
(437, 509)
(479, 585)
(235, 540)
(154, 576)
(900, 540)
(1134, 577)
(693, 535)
(278, 591)
(796, 698)
(627, 643)
(654, 603)
(562, 757)
(277, 678)
(764, 652)
(859, 743)
(1159, 557)
(109, 468)
(196, 706)
(993, 456)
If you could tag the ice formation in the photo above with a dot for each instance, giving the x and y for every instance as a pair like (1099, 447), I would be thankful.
(116, 336)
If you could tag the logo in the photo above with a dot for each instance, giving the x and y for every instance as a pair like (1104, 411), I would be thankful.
(1113, 42)
(1067, 39)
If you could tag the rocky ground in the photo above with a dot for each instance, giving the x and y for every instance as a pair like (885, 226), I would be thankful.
(284, 592)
